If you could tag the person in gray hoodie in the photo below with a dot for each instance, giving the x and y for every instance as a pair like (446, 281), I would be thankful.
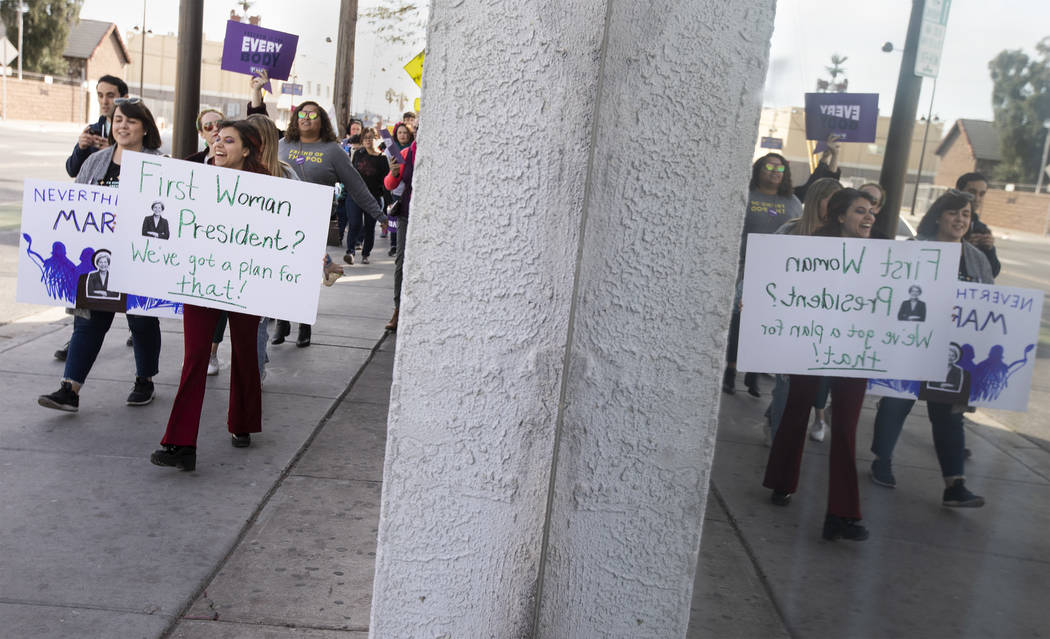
(311, 147)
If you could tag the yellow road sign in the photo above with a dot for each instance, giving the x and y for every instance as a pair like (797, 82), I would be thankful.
(414, 68)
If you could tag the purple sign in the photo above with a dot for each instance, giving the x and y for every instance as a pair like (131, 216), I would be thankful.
(250, 49)
(851, 116)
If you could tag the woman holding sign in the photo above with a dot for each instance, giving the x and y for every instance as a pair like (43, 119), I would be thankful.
(237, 147)
(850, 214)
(133, 130)
(312, 149)
(948, 220)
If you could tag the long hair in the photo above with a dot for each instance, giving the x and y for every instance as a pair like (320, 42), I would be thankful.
(138, 111)
(250, 140)
(810, 220)
(952, 200)
(268, 135)
(411, 135)
(327, 132)
(838, 205)
(785, 187)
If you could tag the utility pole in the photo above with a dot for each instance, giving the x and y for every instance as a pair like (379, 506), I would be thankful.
(344, 62)
(22, 8)
(187, 77)
(902, 125)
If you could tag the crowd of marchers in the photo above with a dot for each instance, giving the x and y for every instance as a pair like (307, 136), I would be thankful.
(824, 207)
(373, 181)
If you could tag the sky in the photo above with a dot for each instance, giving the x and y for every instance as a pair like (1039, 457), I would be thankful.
(808, 32)
(377, 65)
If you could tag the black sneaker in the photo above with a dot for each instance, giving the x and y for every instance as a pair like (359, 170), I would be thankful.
(65, 398)
(131, 341)
(843, 528)
(181, 457)
(957, 496)
(241, 440)
(780, 499)
(142, 393)
(882, 473)
(729, 381)
(62, 353)
(392, 252)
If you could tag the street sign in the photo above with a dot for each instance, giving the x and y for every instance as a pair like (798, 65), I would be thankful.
(9, 52)
(772, 143)
(414, 68)
(289, 88)
(931, 37)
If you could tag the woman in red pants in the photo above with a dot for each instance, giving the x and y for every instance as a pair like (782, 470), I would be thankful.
(850, 214)
(237, 147)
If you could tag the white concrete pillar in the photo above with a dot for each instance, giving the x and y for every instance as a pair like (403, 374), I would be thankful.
(580, 190)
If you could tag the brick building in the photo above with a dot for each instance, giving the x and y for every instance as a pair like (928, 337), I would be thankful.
(93, 49)
(971, 145)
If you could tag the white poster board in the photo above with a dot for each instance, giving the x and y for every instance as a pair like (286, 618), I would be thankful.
(836, 306)
(68, 231)
(996, 332)
(232, 240)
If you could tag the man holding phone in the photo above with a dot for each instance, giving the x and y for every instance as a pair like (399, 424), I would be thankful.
(96, 136)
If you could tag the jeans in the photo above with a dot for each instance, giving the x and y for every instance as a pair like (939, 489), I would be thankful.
(89, 333)
(775, 410)
(220, 329)
(399, 261)
(362, 227)
(341, 219)
(949, 436)
(261, 340)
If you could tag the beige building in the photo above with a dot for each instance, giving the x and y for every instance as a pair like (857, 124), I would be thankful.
(859, 162)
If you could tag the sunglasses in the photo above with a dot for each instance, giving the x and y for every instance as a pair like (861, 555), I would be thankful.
(776, 168)
(210, 126)
(303, 115)
(128, 101)
(969, 197)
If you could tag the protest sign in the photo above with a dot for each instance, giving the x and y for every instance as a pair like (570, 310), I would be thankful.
(238, 241)
(63, 222)
(994, 331)
(844, 307)
(250, 49)
(851, 116)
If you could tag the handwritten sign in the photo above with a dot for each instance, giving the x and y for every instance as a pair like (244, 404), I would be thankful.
(238, 241)
(250, 49)
(846, 307)
(65, 252)
(852, 116)
(994, 331)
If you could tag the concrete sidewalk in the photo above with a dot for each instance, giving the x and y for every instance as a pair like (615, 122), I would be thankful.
(278, 540)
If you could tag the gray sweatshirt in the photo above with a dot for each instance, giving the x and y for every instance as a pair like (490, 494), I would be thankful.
(327, 163)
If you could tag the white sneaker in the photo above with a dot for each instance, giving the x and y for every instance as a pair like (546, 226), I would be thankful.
(816, 432)
(213, 365)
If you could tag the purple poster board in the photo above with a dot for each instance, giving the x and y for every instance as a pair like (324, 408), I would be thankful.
(852, 116)
(249, 49)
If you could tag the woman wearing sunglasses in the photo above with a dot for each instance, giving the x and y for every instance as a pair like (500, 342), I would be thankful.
(311, 147)
(771, 203)
(948, 220)
(133, 130)
(237, 147)
(208, 129)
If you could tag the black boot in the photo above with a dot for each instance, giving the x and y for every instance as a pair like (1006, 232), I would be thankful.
(751, 381)
(181, 457)
(304, 336)
(729, 381)
(843, 527)
(283, 330)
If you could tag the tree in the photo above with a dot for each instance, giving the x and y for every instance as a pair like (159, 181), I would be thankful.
(835, 70)
(45, 27)
(398, 21)
(1020, 104)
